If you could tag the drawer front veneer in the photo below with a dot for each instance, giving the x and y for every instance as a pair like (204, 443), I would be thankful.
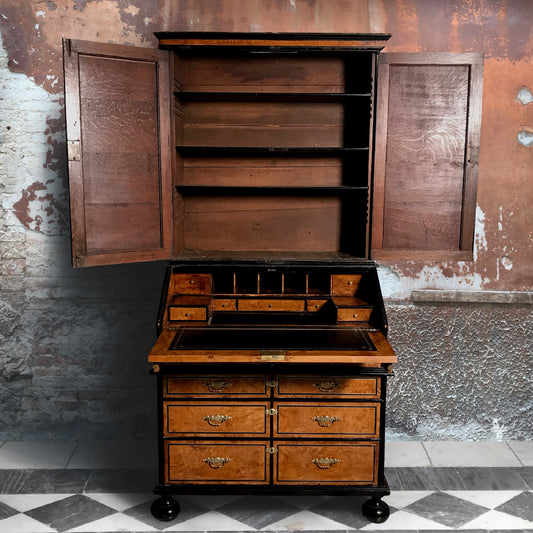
(215, 386)
(217, 462)
(187, 313)
(327, 387)
(217, 419)
(355, 420)
(327, 464)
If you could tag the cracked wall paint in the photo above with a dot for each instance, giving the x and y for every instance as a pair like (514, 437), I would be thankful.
(69, 332)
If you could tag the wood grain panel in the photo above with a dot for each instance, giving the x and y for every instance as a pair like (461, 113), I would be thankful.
(263, 124)
(424, 195)
(357, 464)
(345, 284)
(343, 420)
(192, 283)
(263, 74)
(262, 224)
(327, 387)
(284, 172)
(215, 386)
(187, 313)
(221, 418)
(353, 314)
(248, 462)
(250, 304)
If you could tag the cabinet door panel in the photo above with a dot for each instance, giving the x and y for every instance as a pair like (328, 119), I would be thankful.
(427, 138)
(118, 135)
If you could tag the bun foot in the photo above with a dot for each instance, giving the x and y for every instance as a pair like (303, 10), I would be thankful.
(165, 508)
(376, 510)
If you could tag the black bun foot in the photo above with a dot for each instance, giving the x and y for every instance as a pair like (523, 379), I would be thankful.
(376, 510)
(165, 508)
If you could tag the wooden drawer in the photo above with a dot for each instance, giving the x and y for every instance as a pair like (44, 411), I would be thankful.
(215, 386)
(345, 284)
(315, 305)
(225, 304)
(187, 313)
(327, 387)
(252, 304)
(353, 314)
(343, 420)
(192, 283)
(328, 464)
(220, 419)
(217, 462)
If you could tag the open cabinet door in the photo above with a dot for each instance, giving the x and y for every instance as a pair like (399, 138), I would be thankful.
(426, 163)
(119, 152)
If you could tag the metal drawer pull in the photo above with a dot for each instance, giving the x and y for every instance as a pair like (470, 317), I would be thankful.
(325, 462)
(326, 386)
(326, 421)
(216, 420)
(217, 386)
(216, 462)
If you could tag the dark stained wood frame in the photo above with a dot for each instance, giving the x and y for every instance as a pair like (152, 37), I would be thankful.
(71, 51)
(475, 63)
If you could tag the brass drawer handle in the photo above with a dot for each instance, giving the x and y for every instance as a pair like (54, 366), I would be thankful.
(216, 420)
(325, 462)
(326, 386)
(217, 386)
(216, 462)
(326, 421)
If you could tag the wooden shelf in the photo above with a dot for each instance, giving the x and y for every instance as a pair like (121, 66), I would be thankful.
(244, 190)
(220, 96)
(233, 151)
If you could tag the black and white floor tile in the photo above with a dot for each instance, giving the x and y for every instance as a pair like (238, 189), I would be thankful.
(423, 499)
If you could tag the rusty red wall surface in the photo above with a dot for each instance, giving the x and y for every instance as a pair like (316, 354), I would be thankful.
(65, 334)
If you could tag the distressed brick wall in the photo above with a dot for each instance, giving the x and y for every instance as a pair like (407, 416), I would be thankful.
(73, 343)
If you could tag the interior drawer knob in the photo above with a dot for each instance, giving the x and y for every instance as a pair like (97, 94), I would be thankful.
(325, 462)
(326, 421)
(216, 420)
(216, 462)
(326, 386)
(217, 386)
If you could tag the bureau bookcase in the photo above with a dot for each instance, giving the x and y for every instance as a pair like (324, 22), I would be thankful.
(252, 162)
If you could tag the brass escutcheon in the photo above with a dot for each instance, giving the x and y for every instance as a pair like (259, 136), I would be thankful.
(326, 386)
(326, 421)
(325, 462)
(216, 462)
(217, 386)
(216, 420)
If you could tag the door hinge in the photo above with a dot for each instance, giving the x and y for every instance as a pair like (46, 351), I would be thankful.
(73, 150)
(271, 450)
(274, 383)
(271, 412)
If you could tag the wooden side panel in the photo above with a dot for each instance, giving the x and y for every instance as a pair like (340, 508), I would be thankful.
(117, 101)
(425, 177)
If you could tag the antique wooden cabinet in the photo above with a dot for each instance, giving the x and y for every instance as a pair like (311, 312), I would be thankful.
(247, 160)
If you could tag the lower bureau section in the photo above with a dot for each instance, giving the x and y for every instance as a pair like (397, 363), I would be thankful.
(286, 463)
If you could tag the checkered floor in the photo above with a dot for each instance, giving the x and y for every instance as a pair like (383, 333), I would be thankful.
(422, 499)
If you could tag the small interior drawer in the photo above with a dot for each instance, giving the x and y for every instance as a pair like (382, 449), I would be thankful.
(328, 464)
(215, 386)
(343, 420)
(345, 284)
(253, 304)
(315, 305)
(217, 462)
(224, 304)
(353, 314)
(220, 418)
(187, 313)
(327, 387)
(192, 283)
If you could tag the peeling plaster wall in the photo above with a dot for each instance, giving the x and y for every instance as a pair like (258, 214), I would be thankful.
(73, 343)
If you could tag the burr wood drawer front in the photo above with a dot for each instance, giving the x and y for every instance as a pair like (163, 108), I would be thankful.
(328, 387)
(218, 419)
(187, 313)
(215, 386)
(325, 463)
(202, 462)
(353, 314)
(339, 420)
(270, 304)
(225, 304)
